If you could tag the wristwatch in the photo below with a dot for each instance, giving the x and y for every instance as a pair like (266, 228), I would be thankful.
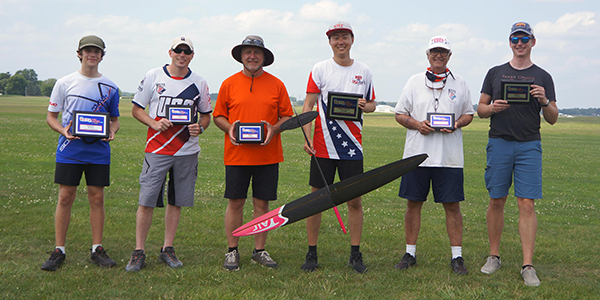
(202, 128)
(547, 103)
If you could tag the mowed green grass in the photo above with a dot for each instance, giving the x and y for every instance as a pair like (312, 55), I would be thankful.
(566, 255)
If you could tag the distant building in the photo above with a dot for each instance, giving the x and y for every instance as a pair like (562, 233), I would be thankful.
(384, 109)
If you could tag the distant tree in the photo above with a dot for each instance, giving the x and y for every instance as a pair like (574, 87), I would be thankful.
(3, 81)
(33, 89)
(47, 85)
(29, 75)
(16, 85)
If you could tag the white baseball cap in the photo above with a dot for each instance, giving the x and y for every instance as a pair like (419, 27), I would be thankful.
(182, 40)
(340, 25)
(439, 41)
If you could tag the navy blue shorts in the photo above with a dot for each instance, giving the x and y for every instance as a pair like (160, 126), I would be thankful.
(345, 168)
(447, 184)
(70, 174)
(264, 181)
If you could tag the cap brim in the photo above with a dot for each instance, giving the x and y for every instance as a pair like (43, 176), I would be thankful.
(521, 30)
(90, 45)
(329, 32)
(236, 52)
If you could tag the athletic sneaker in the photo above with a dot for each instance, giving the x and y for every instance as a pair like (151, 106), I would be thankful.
(458, 266)
(137, 261)
(311, 262)
(529, 276)
(232, 261)
(357, 263)
(264, 259)
(168, 256)
(100, 258)
(56, 259)
(407, 261)
(493, 263)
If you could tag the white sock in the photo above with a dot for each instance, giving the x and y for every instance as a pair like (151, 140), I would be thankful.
(95, 246)
(412, 249)
(62, 248)
(456, 251)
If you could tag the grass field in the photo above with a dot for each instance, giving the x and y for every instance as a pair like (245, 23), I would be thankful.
(566, 255)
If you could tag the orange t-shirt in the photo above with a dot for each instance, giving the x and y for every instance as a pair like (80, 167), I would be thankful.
(268, 101)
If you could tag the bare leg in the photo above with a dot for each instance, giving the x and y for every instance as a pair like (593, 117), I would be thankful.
(527, 228)
(313, 224)
(172, 215)
(234, 218)
(412, 221)
(96, 200)
(62, 218)
(143, 222)
(454, 223)
(495, 223)
(261, 207)
(355, 220)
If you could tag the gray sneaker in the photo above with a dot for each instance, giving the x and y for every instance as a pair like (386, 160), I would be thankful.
(529, 276)
(168, 256)
(493, 263)
(264, 259)
(232, 261)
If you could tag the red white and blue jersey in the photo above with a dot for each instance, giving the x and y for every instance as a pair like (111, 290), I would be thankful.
(76, 92)
(339, 139)
(157, 90)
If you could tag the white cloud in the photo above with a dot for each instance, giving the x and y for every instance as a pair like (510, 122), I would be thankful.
(577, 24)
(325, 10)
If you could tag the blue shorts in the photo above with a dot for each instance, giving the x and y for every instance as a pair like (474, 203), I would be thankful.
(447, 184)
(264, 181)
(523, 159)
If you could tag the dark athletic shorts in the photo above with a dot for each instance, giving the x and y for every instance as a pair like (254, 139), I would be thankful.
(70, 174)
(264, 181)
(345, 168)
(447, 184)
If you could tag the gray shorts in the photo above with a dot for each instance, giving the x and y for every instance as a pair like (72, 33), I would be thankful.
(183, 172)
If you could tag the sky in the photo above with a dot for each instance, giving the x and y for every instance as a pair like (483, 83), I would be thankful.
(390, 37)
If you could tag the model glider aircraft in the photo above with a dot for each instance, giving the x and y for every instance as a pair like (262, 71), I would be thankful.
(322, 200)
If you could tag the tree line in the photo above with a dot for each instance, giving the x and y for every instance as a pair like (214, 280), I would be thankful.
(25, 83)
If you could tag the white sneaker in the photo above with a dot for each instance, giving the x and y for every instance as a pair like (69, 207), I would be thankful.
(529, 276)
(493, 263)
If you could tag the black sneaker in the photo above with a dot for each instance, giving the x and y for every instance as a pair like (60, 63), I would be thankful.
(168, 256)
(101, 259)
(407, 261)
(137, 261)
(357, 263)
(56, 259)
(311, 262)
(458, 266)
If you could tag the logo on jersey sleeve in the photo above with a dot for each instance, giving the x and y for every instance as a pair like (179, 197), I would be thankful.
(141, 86)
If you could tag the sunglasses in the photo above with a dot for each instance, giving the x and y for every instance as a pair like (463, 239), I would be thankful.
(435, 51)
(524, 39)
(253, 42)
(186, 51)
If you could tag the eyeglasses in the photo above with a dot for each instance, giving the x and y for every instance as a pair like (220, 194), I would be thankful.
(435, 51)
(254, 42)
(524, 39)
(186, 51)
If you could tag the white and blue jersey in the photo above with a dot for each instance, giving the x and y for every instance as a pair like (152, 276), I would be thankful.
(76, 92)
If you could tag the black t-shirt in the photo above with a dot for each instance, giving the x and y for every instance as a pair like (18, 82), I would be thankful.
(520, 122)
